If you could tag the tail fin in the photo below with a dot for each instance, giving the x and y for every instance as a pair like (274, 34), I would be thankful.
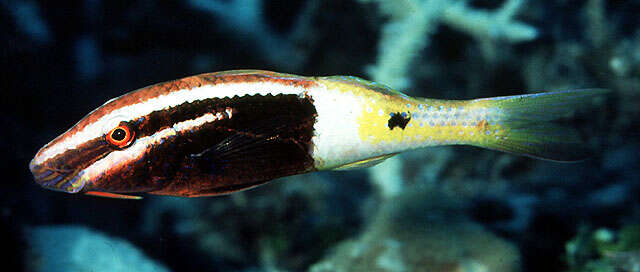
(523, 124)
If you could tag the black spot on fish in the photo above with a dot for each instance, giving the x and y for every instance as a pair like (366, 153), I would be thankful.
(399, 120)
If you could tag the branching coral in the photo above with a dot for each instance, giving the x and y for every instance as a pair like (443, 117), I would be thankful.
(422, 231)
(605, 250)
(245, 19)
(413, 21)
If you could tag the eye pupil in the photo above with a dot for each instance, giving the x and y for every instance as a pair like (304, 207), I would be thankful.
(119, 134)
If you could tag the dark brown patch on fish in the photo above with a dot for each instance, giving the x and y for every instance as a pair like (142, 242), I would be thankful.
(265, 137)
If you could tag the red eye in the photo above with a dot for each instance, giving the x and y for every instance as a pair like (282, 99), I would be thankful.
(121, 136)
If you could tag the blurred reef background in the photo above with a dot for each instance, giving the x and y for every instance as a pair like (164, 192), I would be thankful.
(441, 209)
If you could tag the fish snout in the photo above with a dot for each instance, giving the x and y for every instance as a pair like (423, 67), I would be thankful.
(65, 180)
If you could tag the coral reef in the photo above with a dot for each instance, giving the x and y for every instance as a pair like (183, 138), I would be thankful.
(77, 248)
(605, 250)
(287, 225)
(245, 19)
(422, 231)
(444, 208)
(412, 22)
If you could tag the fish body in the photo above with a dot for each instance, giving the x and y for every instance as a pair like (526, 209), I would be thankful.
(218, 133)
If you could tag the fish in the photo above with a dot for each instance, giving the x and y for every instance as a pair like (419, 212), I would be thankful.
(223, 132)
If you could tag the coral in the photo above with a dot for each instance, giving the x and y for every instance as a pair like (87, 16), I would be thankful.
(390, 177)
(413, 21)
(604, 250)
(284, 225)
(245, 19)
(181, 209)
(422, 231)
(76, 248)
(387, 177)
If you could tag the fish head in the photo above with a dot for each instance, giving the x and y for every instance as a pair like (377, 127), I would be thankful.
(101, 153)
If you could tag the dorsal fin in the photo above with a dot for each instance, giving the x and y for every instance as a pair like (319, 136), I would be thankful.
(254, 72)
(356, 81)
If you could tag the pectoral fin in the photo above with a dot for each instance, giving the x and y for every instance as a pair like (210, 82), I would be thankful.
(255, 155)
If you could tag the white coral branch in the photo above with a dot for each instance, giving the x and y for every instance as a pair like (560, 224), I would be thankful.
(413, 21)
(245, 19)
(495, 25)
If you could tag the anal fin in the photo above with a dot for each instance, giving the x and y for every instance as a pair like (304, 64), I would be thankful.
(364, 163)
(112, 195)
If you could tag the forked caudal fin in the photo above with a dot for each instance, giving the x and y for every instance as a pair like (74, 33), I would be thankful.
(523, 124)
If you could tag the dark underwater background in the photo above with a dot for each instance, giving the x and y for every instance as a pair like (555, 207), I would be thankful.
(439, 209)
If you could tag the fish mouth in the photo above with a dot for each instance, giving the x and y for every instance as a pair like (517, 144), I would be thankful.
(64, 180)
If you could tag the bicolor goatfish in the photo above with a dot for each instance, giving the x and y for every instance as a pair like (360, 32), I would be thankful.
(222, 132)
